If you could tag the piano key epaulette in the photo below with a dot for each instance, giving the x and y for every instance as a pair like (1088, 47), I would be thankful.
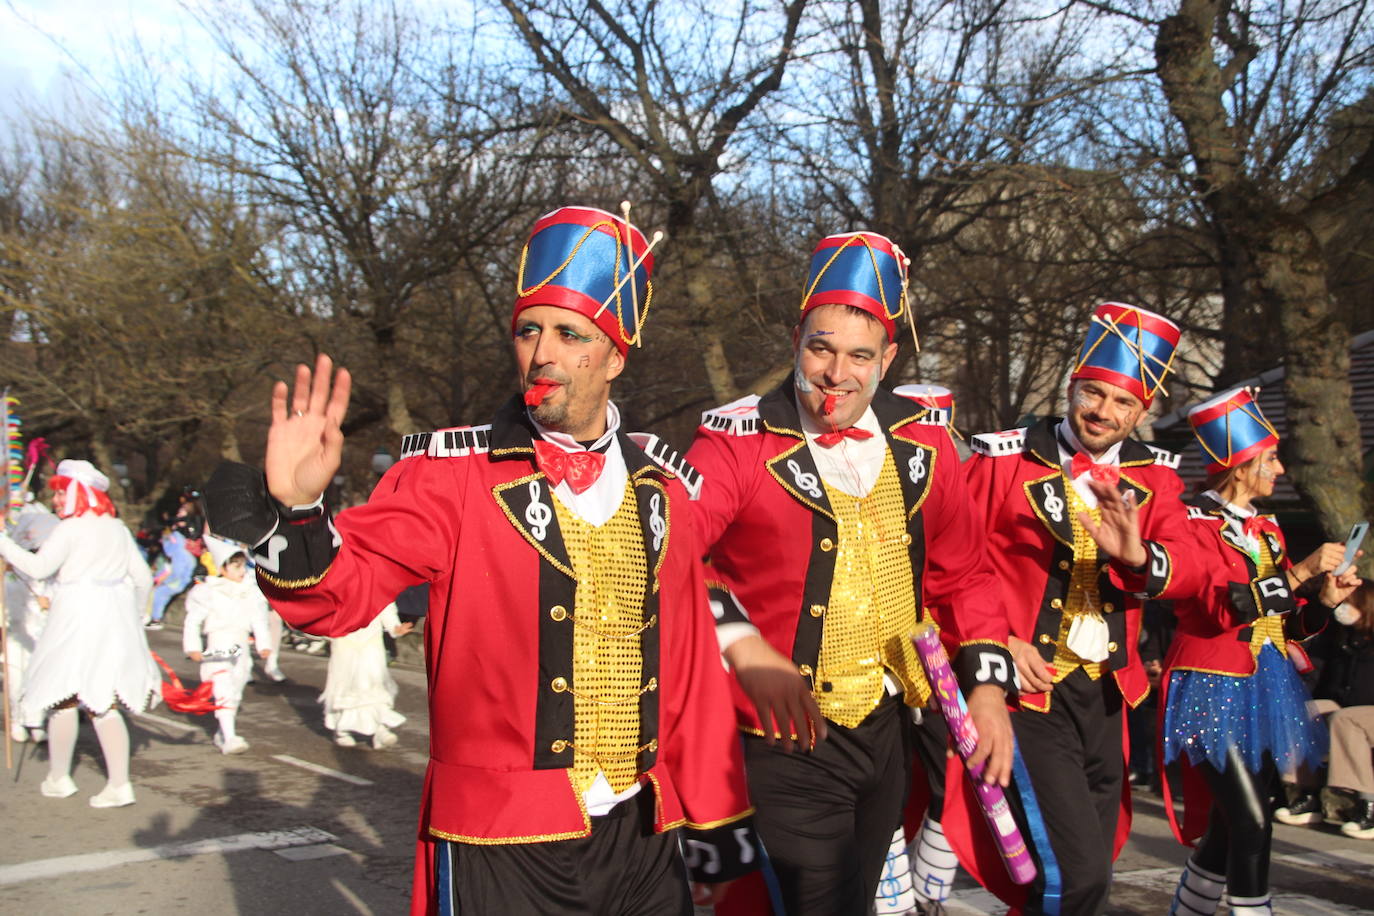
(1165, 458)
(1006, 442)
(456, 442)
(738, 418)
(671, 460)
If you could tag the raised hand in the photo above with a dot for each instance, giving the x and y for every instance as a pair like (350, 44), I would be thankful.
(1118, 536)
(305, 444)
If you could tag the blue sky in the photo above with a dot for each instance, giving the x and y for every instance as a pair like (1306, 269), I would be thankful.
(45, 45)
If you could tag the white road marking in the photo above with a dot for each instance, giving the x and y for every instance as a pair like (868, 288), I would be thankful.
(169, 723)
(305, 853)
(97, 861)
(323, 771)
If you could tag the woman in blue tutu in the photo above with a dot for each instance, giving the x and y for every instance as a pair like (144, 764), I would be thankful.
(1235, 712)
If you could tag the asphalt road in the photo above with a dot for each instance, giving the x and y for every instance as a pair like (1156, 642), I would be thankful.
(298, 826)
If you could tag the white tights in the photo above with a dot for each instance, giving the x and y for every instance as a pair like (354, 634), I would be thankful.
(110, 730)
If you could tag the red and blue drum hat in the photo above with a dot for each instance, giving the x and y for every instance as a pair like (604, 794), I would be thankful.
(938, 401)
(862, 269)
(1128, 347)
(590, 262)
(1231, 429)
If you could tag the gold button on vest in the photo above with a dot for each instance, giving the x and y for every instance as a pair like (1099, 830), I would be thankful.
(1082, 597)
(872, 608)
(608, 622)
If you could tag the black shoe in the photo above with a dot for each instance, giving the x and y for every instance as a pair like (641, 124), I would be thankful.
(1305, 809)
(1362, 827)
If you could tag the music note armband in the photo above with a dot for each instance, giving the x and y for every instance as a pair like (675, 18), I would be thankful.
(979, 663)
(721, 853)
(291, 549)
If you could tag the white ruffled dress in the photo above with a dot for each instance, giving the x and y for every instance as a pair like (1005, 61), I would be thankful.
(93, 646)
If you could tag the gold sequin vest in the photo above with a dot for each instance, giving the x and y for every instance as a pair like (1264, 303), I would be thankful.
(1082, 596)
(607, 618)
(1269, 627)
(872, 610)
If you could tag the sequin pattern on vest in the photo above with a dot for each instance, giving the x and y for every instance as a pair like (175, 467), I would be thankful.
(872, 609)
(608, 621)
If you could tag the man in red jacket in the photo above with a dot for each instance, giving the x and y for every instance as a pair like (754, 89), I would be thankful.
(836, 519)
(1081, 521)
(578, 708)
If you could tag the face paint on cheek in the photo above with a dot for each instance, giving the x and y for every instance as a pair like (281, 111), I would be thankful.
(584, 360)
(799, 378)
(1082, 400)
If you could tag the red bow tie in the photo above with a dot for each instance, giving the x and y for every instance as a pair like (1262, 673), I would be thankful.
(1082, 464)
(580, 469)
(1253, 526)
(835, 435)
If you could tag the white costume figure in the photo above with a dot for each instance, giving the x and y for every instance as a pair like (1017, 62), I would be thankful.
(26, 607)
(359, 693)
(93, 652)
(227, 608)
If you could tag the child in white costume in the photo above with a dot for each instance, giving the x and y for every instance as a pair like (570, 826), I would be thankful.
(228, 608)
(93, 653)
(26, 607)
(359, 693)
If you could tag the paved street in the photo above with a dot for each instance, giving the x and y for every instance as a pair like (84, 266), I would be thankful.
(299, 826)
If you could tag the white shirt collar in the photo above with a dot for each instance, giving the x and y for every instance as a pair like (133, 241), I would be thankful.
(568, 444)
(1231, 508)
(596, 504)
(851, 465)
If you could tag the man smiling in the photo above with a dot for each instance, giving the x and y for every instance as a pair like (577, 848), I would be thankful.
(1067, 508)
(836, 519)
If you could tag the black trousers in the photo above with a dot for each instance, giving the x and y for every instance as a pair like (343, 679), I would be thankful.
(1073, 755)
(826, 817)
(622, 869)
(931, 740)
(1239, 826)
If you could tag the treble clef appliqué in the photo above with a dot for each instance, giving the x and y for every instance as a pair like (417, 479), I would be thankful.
(916, 467)
(805, 480)
(656, 524)
(1054, 506)
(537, 515)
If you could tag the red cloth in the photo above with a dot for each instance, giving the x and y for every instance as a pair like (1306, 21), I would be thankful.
(197, 702)
(1104, 473)
(580, 469)
(457, 523)
(834, 437)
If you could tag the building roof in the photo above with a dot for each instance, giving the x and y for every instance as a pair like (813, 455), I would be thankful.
(1172, 429)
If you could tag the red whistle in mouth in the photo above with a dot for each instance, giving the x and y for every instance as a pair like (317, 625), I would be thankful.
(535, 394)
(829, 406)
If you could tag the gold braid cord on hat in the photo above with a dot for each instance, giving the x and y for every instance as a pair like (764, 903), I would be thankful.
(872, 609)
(608, 624)
(641, 313)
(1082, 597)
(873, 259)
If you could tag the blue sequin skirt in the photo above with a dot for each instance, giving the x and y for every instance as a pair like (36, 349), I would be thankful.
(1267, 711)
